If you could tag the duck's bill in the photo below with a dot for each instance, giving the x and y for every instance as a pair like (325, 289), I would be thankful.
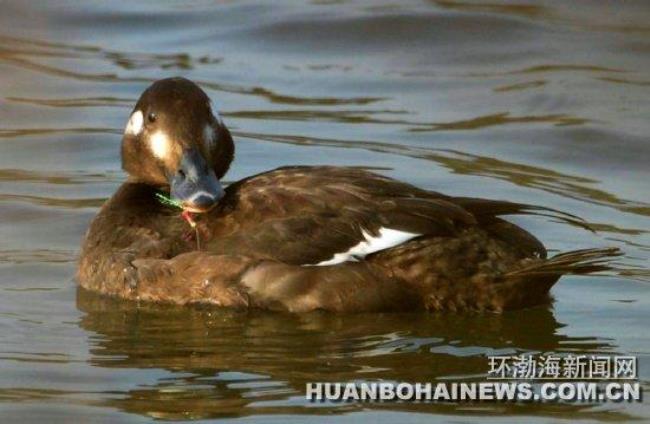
(194, 185)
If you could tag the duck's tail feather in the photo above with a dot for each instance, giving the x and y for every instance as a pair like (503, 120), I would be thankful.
(486, 208)
(530, 284)
(576, 262)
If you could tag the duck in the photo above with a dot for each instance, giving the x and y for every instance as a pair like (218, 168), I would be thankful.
(301, 238)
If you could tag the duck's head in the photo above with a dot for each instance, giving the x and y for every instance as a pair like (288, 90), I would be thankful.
(174, 140)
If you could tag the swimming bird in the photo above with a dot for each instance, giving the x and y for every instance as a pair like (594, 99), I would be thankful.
(300, 238)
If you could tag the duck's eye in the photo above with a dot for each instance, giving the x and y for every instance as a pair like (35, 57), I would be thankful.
(152, 117)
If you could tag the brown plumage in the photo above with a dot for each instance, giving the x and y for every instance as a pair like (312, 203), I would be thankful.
(263, 239)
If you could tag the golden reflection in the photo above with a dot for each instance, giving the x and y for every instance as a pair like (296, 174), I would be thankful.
(76, 102)
(26, 132)
(626, 81)
(503, 118)
(566, 67)
(52, 177)
(520, 86)
(54, 201)
(529, 10)
(364, 116)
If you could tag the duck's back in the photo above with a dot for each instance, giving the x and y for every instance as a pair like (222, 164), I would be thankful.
(320, 215)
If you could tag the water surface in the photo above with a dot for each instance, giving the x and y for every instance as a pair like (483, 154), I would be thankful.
(543, 102)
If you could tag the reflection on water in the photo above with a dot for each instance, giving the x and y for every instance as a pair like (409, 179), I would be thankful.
(542, 102)
(229, 363)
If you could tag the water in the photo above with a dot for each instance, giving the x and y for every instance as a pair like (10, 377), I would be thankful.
(540, 102)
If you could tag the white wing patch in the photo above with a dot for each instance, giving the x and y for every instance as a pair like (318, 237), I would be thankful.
(387, 238)
(160, 145)
(134, 126)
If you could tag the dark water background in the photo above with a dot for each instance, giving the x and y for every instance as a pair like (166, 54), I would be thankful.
(540, 102)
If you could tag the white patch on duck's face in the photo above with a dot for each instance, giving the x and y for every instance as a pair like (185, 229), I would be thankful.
(209, 137)
(387, 238)
(160, 145)
(135, 124)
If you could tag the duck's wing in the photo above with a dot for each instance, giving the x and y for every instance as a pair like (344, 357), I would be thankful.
(328, 215)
